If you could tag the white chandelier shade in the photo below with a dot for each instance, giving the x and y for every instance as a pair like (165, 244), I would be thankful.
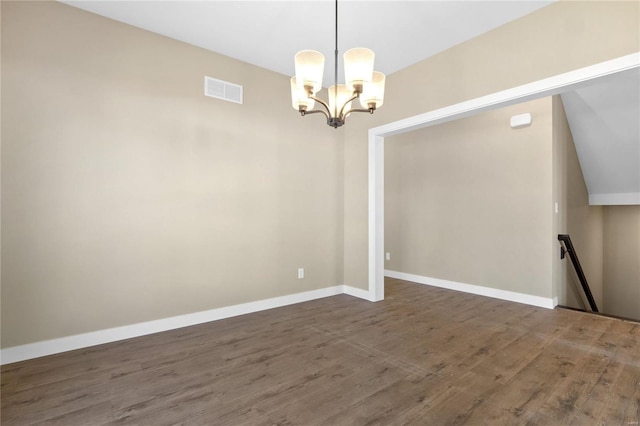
(373, 92)
(339, 100)
(299, 97)
(309, 69)
(358, 67)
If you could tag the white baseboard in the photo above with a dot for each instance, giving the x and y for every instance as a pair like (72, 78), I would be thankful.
(79, 341)
(357, 292)
(511, 296)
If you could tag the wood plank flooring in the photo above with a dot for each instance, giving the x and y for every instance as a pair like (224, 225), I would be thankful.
(423, 356)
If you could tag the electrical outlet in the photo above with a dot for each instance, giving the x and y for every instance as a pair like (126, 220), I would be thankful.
(388, 256)
(300, 273)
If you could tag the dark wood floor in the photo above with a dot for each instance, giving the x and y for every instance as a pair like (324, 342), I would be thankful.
(423, 356)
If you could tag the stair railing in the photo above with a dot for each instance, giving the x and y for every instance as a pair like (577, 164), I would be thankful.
(567, 247)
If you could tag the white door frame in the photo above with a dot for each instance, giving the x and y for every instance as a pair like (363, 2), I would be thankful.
(547, 87)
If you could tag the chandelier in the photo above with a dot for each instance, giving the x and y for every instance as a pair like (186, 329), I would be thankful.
(361, 82)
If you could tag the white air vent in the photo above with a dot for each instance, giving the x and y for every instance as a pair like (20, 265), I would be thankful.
(222, 90)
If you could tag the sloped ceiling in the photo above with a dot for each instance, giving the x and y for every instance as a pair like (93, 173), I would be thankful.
(605, 124)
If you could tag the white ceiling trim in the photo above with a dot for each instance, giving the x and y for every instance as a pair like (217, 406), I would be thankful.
(624, 199)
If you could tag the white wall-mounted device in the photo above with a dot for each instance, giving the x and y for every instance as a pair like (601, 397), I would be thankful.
(520, 120)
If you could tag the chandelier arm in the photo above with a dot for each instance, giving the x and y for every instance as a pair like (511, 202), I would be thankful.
(370, 111)
(316, 111)
(356, 96)
(323, 103)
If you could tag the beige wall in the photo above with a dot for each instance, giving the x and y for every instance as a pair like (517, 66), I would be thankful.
(558, 38)
(129, 196)
(622, 261)
(575, 217)
(467, 201)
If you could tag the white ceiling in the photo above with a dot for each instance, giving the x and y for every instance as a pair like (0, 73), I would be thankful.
(605, 124)
(267, 33)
